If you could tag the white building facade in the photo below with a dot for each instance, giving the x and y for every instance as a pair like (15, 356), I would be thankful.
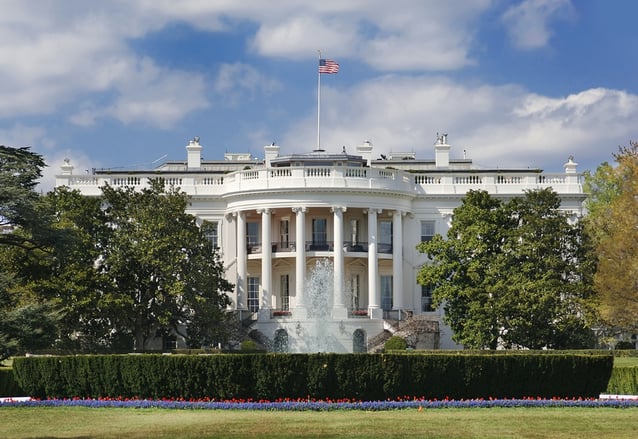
(274, 219)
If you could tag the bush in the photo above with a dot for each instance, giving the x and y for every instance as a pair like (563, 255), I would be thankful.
(623, 344)
(395, 343)
(623, 381)
(249, 345)
(320, 376)
(8, 384)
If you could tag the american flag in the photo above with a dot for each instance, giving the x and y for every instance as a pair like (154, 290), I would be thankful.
(328, 66)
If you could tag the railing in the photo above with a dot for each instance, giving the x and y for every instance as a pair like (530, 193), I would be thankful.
(350, 178)
(355, 246)
(319, 246)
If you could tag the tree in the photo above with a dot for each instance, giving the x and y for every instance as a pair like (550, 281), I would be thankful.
(511, 274)
(613, 220)
(20, 205)
(161, 271)
(25, 227)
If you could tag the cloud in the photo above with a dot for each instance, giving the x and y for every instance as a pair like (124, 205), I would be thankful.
(82, 56)
(237, 80)
(528, 23)
(399, 35)
(504, 126)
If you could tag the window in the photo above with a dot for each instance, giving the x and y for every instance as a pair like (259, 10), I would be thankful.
(426, 298)
(252, 236)
(386, 293)
(427, 231)
(385, 236)
(319, 234)
(281, 341)
(169, 342)
(211, 232)
(284, 226)
(253, 294)
(284, 288)
(359, 341)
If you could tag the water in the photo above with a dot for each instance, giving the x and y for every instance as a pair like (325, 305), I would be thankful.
(318, 333)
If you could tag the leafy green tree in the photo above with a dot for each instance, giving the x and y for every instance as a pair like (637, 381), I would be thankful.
(162, 272)
(25, 228)
(613, 220)
(513, 274)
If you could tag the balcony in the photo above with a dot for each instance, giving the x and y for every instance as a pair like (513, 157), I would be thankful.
(391, 181)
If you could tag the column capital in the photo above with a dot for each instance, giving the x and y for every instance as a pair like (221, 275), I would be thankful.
(343, 209)
(265, 210)
(302, 209)
(368, 211)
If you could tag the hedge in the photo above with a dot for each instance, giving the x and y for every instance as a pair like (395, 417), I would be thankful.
(315, 376)
(8, 383)
(623, 381)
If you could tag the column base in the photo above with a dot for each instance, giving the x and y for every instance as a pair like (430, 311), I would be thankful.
(375, 313)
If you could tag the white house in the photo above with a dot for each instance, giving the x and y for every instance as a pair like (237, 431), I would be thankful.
(275, 219)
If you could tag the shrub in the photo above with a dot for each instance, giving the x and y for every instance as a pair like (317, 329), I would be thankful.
(321, 376)
(8, 384)
(395, 343)
(624, 344)
(249, 345)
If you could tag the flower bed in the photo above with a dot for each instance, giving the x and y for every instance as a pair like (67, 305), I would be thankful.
(311, 405)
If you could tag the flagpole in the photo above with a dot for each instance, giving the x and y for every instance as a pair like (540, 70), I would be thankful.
(318, 103)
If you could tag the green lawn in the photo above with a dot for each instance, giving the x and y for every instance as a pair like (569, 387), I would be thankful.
(439, 423)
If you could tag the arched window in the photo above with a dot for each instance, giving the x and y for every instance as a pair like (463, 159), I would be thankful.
(281, 341)
(359, 341)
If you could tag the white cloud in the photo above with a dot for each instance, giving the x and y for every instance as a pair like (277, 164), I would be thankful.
(236, 80)
(528, 23)
(503, 126)
(398, 35)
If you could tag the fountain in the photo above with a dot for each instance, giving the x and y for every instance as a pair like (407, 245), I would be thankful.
(317, 334)
(317, 326)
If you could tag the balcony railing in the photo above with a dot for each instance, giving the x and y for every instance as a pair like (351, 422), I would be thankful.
(390, 180)
(290, 246)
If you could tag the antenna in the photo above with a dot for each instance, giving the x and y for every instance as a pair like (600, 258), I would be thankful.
(161, 158)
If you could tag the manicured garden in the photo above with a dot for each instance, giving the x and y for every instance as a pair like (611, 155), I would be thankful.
(553, 395)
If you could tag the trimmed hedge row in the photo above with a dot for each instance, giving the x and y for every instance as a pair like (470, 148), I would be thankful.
(8, 383)
(623, 381)
(318, 376)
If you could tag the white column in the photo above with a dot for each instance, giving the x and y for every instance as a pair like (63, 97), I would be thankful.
(374, 297)
(300, 259)
(266, 264)
(339, 310)
(241, 260)
(397, 260)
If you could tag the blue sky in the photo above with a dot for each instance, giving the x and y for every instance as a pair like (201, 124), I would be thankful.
(121, 84)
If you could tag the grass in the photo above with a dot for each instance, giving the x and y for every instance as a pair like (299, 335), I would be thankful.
(440, 423)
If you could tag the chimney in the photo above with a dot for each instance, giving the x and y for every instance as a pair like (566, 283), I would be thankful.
(67, 167)
(442, 151)
(194, 154)
(366, 151)
(271, 152)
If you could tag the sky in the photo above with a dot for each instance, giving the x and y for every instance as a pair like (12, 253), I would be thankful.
(126, 84)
